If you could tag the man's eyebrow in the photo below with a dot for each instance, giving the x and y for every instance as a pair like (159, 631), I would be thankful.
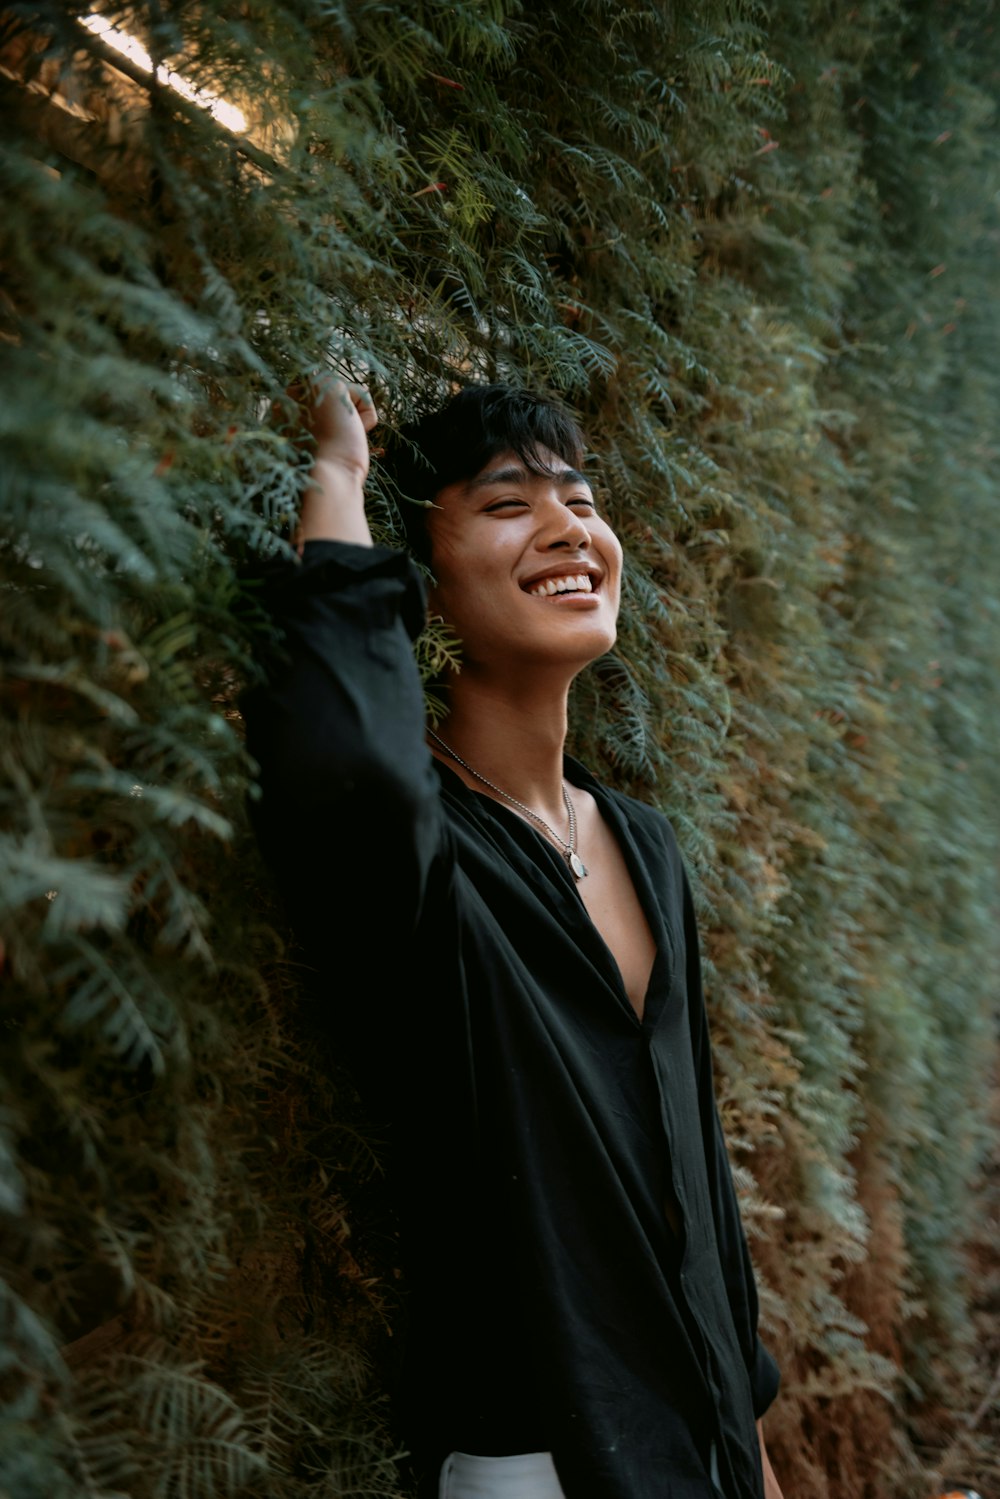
(515, 475)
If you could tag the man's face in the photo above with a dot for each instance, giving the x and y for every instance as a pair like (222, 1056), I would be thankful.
(527, 572)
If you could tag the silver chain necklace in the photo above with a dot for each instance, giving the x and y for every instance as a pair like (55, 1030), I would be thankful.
(569, 852)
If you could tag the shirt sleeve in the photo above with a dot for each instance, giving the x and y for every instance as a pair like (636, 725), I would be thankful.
(737, 1268)
(347, 813)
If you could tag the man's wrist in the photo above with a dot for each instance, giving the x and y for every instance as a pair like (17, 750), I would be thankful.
(335, 470)
(333, 506)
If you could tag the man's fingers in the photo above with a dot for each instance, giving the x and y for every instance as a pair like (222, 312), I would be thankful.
(325, 407)
(315, 390)
(364, 405)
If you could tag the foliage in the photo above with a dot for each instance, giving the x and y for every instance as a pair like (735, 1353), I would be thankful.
(752, 249)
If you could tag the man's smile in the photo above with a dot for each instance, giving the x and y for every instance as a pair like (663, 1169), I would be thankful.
(571, 583)
(580, 576)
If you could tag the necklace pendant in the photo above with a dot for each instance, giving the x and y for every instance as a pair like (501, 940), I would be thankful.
(577, 865)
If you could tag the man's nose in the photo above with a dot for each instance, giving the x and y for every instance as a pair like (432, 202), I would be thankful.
(563, 527)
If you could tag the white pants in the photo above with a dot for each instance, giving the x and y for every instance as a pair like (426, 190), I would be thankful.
(527, 1475)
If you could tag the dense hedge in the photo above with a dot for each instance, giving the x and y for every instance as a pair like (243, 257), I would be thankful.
(753, 247)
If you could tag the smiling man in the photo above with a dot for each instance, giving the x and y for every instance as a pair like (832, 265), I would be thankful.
(514, 964)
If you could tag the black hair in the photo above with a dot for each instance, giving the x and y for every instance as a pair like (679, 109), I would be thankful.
(457, 441)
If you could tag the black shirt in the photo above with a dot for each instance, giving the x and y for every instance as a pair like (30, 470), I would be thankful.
(539, 1125)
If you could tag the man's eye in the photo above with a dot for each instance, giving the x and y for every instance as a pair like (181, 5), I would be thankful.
(502, 504)
(583, 499)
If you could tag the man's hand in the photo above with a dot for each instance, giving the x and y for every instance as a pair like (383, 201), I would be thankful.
(772, 1489)
(337, 416)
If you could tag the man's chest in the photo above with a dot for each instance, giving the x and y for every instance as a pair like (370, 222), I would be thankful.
(613, 905)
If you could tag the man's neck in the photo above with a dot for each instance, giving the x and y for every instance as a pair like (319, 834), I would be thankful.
(512, 736)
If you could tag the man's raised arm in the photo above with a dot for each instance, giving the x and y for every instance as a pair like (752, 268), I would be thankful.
(338, 417)
(337, 724)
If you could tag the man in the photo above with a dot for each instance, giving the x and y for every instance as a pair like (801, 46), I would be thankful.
(516, 976)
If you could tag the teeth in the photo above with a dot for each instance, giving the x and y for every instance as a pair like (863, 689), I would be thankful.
(580, 583)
